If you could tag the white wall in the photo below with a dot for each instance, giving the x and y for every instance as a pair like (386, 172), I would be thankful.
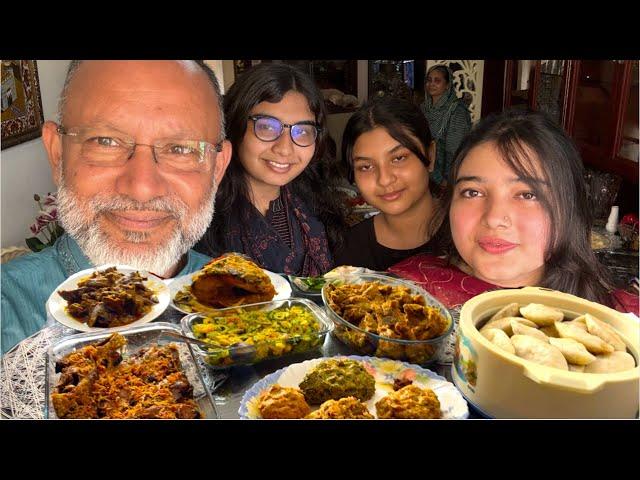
(24, 169)
(217, 67)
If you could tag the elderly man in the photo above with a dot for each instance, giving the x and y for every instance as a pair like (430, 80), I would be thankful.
(137, 157)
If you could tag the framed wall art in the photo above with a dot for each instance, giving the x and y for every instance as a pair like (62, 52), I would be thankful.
(22, 115)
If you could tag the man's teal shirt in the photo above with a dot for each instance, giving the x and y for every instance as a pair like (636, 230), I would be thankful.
(28, 281)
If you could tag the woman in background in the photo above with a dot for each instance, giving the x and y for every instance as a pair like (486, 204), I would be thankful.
(448, 118)
(275, 203)
(387, 147)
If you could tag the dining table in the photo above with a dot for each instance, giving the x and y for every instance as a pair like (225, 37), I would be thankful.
(22, 377)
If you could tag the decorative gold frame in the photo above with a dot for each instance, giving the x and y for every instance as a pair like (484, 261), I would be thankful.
(22, 115)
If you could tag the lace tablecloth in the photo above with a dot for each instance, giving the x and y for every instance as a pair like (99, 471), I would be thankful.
(22, 377)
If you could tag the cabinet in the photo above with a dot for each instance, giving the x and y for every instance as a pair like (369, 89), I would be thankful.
(595, 101)
(397, 78)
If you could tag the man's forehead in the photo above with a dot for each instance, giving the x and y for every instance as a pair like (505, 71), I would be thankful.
(130, 71)
(105, 91)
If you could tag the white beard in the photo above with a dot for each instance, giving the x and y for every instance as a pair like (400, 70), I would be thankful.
(81, 220)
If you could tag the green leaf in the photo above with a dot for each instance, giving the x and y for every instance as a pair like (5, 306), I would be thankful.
(35, 244)
(57, 232)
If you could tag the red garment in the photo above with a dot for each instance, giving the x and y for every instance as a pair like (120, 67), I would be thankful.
(453, 287)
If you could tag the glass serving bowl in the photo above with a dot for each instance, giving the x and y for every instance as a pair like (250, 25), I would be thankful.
(137, 337)
(252, 333)
(420, 352)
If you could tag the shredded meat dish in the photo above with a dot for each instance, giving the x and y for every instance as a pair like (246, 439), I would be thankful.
(96, 382)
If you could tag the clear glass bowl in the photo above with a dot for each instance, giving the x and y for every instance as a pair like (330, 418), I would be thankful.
(420, 352)
(258, 348)
(137, 337)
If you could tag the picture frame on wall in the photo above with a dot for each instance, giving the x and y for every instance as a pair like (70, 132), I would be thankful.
(22, 115)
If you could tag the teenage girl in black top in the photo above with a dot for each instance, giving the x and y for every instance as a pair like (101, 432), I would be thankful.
(388, 148)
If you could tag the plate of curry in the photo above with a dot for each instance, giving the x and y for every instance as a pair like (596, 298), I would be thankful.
(110, 297)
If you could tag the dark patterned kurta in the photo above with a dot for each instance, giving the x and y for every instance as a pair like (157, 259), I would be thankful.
(253, 234)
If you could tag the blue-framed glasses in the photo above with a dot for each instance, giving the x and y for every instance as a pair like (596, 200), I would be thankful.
(269, 129)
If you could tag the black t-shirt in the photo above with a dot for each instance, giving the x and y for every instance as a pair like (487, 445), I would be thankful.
(361, 249)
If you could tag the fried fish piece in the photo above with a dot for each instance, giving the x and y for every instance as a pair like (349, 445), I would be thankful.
(232, 280)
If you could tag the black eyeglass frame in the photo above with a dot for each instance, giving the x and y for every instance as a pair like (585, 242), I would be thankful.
(255, 118)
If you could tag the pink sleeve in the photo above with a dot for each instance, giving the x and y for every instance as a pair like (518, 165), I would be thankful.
(624, 301)
(446, 283)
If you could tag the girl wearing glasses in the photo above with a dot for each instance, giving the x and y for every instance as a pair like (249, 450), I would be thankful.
(276, 202)
(388, 149)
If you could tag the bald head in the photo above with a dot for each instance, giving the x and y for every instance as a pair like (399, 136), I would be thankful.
(194, 72)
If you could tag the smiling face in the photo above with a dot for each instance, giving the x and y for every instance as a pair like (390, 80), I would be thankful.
(271, 165)
(390, 177)
(499, 226)
(140, 213)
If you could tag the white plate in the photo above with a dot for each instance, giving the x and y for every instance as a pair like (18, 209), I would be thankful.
(283, 289)
(452, 403)
(56, 304)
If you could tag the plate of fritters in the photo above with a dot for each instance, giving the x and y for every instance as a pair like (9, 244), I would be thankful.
(109, 297)
(227, 281)
(353, 387)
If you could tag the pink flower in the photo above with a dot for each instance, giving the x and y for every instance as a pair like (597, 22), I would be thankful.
(50, 199)
(45, 218)
(35, 228)
(46, 222)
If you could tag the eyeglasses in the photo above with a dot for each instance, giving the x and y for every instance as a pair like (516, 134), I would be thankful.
(106, 147)
(269, 129)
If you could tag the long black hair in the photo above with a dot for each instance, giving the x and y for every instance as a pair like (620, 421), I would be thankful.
(400, 118)
(403, 120)
(524, 139)
(269, 82)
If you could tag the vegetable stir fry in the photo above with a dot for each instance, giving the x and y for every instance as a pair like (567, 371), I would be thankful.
(246, 336)
(309, 284)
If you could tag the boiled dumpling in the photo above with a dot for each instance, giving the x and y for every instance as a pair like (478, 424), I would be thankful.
(510, 310)
(519, 329)
(576, 368)
(579, 322)
(573, 351)
(550, 331)
(611, 363)
(594, 344)
(537, 351)
(606, 332)
(541, 315)
(504, 324)
(499, 338)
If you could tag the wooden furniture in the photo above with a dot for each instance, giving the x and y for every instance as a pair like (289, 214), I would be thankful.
(595, 101)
